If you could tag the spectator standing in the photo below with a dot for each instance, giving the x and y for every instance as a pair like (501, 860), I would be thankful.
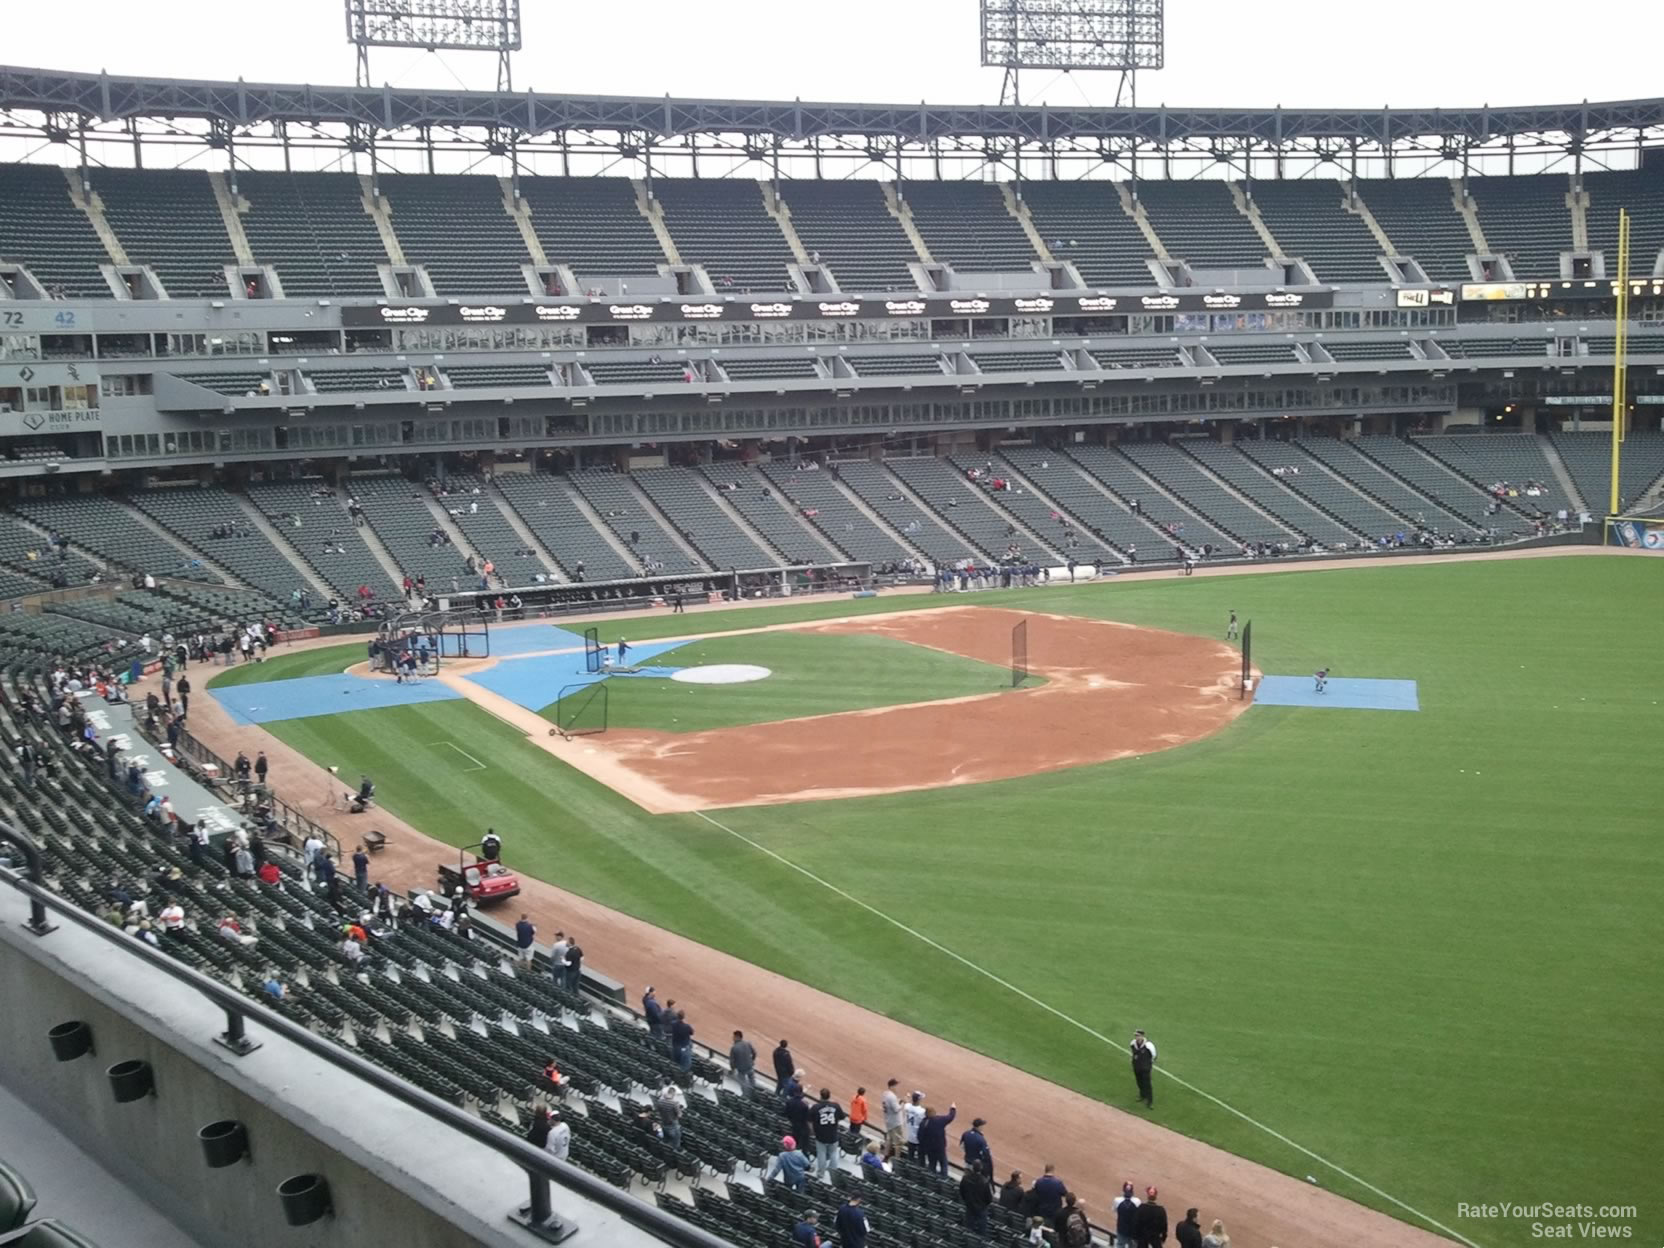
(933, 1139)
(890, 1106)
(525, 934)
(653, 1012)
(1188, 1232)
(851, 1223)
(742, 1058)
(1073, 1230)
(557, 959)
(790, 1164)
(574, 966)
(681, 1040)
(670, 1104)
(975, 1145)
(1143, 1063)
(807, 1231)
(858, 1110)
(261, 767)
(1011, 1191)
(1217, 1237)
(977, 1192)
(912, 1115)
(559, 1145)
(1151, 1223)
(784, 1065)
(1048, 1193)
(361, 869)
(827, 1115)
(1125, 1209)
(797, 1113)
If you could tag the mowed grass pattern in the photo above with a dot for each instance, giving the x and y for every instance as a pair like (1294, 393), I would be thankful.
(1424, 946)
(811, 674)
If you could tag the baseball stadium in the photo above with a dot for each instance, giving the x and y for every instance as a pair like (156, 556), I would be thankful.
(663, 669)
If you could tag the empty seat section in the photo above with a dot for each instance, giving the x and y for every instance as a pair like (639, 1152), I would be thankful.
(1526, 219)
(1154, 355)
(1198, 221)
(724, 227)
(1345, 349)
(455, 227)
(170, 220)
(1420, 216)
(212, 521)
(1183, 477)
(1047, 520)
(1588, 457)
(1453, 492)
(42, 229)
(1070, 487)
(1327, 492)
(24, 550)
(1310, 220)
(1635, 344)
(1513, 460)
(234, 385)
(1347, 461)
(1084, 223)
(1493, 348)
(751, 494)
(592, 225)
(312, 228)
(547, 506)
(1252, 352)
(398, 512)
(967, 225)
(895, 365)
(959, 502)
(1642, 192)
(850, 225)
(613, 499)
(744, 369)
(473, 507)
(480, 376)
(1163, 516)
(100, 524)
(682, 496)
(346, 380)
(879, 491)
(634, 372)
(1230, 465)
(1018, 361)
(311, 519)
(816, 496)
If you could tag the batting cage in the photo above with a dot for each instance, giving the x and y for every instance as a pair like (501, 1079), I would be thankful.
(581, 710)
(1247, 658)
(594, 652)
(416, 644)
(1019, 653)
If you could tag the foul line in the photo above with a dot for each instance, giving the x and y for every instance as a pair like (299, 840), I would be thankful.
(1098, 1035)
(478, 766)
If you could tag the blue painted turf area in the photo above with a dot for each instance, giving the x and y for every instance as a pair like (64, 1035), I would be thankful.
(324, 695)
(530, 638)
(1342, 694)
(537, 682)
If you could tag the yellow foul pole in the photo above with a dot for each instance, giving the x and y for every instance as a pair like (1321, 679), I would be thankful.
(1620, 351)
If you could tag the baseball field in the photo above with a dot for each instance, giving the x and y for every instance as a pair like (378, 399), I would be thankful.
(1414, 956)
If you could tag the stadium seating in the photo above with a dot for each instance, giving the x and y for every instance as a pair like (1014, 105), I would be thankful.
(170, 220)
(1635, 344)
(1234, 353)
(1198, 221)
(1526, 219)
(1419, 216)
(959, 502)
(1348, 351)
(318, 527)
(19, 542)
(1279, 500)
(725, 227)
(634, 372)
(98, 523)
(744, 368)
(895, 365)
(1330, 493)
(346, 380)
(1514, 458)
(233, 385)
(1170, 520)
(1017, 361)
(750, 493)
(1588, 458)
(592, 225)
(1062, 531)
(1451, 491)
(192, 514)
(484, 258)
(966, 225)
(1067, 485)
(818, 499)
(686, 502)
(879, 491)
(473, 508)
(1309, 220)
(41, 227)
(1347, 461)
(1181, 475)
(479, 376)
(632, 522)
(547, 506)
(312, 228)
(1151, 356)
(1642, 192)
(1493, 348)
(1084, 222)
(850, 225)
(399, 515)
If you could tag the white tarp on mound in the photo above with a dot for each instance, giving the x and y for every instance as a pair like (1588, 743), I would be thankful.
(721, 674)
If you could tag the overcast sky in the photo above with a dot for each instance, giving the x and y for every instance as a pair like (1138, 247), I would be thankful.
(1257, 53)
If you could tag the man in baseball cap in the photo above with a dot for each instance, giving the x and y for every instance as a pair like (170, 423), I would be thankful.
(1152, 1221)
(1125, 1209)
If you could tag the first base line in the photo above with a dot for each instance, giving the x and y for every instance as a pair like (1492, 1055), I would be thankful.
(1096, 1034)
(478, 766)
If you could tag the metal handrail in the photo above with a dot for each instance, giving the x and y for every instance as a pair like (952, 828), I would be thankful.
(541, 1169)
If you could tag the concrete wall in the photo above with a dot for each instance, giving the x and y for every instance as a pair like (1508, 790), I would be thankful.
(397, 1176)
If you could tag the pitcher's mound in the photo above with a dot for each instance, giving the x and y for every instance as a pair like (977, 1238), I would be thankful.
(721, 674)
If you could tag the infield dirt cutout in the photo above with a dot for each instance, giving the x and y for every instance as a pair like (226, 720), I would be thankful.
(1111, 691)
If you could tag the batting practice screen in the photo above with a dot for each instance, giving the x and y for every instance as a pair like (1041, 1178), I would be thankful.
(1019, 653)
(1247, 660)
(581, 710)
(593, 650)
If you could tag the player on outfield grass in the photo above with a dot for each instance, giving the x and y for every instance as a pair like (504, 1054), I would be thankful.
(1321, 679)
(1230, 628)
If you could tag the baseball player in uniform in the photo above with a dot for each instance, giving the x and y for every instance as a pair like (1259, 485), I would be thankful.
(1321, 679)
(1230, 629)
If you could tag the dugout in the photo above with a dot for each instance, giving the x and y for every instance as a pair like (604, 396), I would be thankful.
(732, 585)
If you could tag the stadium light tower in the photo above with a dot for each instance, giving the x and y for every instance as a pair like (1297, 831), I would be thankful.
(1124, 36)
(465, 25)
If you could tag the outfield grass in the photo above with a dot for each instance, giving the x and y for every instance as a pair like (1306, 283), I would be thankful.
(328, 661)
(818, 674)
(1424, 946)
